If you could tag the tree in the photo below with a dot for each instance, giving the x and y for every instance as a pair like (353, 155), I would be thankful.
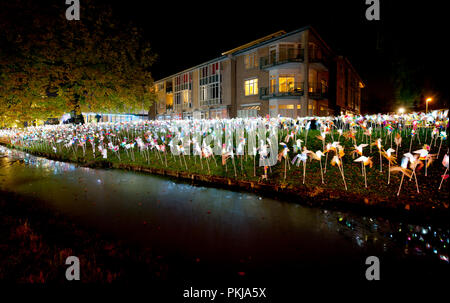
(49, 65)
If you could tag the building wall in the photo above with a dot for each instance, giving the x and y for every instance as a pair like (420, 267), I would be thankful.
(242, 74)
(272, 106)
(228, 85)
(195, 91)
(160, 98)
(348, 87)
(313, 74)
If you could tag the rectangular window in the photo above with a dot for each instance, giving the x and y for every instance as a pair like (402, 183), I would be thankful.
(203, 93)
(283, 52)
(273, 54)
(187, 99)
(251, 87)
(289, 51)
(323, 85)
(177, 99)
(286, 110)
(248, 113)
(250, 61)
(209, 90)
(273, 84)
(286, 83)
(182, 91)
(169, 102)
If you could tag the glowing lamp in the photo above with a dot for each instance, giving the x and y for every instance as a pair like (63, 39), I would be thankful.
(426, 104)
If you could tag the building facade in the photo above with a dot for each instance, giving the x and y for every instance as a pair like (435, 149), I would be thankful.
(289, 74)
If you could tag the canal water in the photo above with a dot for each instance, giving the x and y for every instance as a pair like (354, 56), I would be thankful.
(210, 232)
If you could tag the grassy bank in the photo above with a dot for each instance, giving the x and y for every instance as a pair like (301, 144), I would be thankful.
(379, 195)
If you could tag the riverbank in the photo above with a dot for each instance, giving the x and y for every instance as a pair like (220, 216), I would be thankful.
(378, 199)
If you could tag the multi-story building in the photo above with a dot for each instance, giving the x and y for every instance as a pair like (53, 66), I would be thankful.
(288, 74)
(346, 90)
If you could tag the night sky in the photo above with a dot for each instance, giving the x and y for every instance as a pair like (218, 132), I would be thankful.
(410, 34)
(185, 34)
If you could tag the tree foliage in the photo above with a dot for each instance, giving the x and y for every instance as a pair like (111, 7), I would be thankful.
(408, 80)
(49, 65)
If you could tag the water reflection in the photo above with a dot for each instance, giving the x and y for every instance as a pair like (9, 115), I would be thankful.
(416, 240)
(216, 222)
(47, 165)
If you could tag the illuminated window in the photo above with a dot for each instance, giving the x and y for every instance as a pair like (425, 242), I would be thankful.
(169, 102)
(251, 87)
(247, 113)
(220, 113)
(310, 106)
(182, 90)
(299, 106)
(286, 83)
(286, 110)
(273, 84)
(187, 99)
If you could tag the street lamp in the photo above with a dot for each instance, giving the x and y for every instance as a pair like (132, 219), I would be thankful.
(401, 110)
(426, 105)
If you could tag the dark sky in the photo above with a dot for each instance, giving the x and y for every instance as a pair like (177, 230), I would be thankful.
(410, 34)
(187, 33)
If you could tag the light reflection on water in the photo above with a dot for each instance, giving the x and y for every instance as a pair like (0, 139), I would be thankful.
(139, 206)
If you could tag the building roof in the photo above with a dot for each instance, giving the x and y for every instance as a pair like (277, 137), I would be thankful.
(255, 42)
(192, 68)
(245, 48)
(258, 43)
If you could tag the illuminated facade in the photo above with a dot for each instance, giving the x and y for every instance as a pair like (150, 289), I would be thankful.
(92, 117)
(288, 74)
